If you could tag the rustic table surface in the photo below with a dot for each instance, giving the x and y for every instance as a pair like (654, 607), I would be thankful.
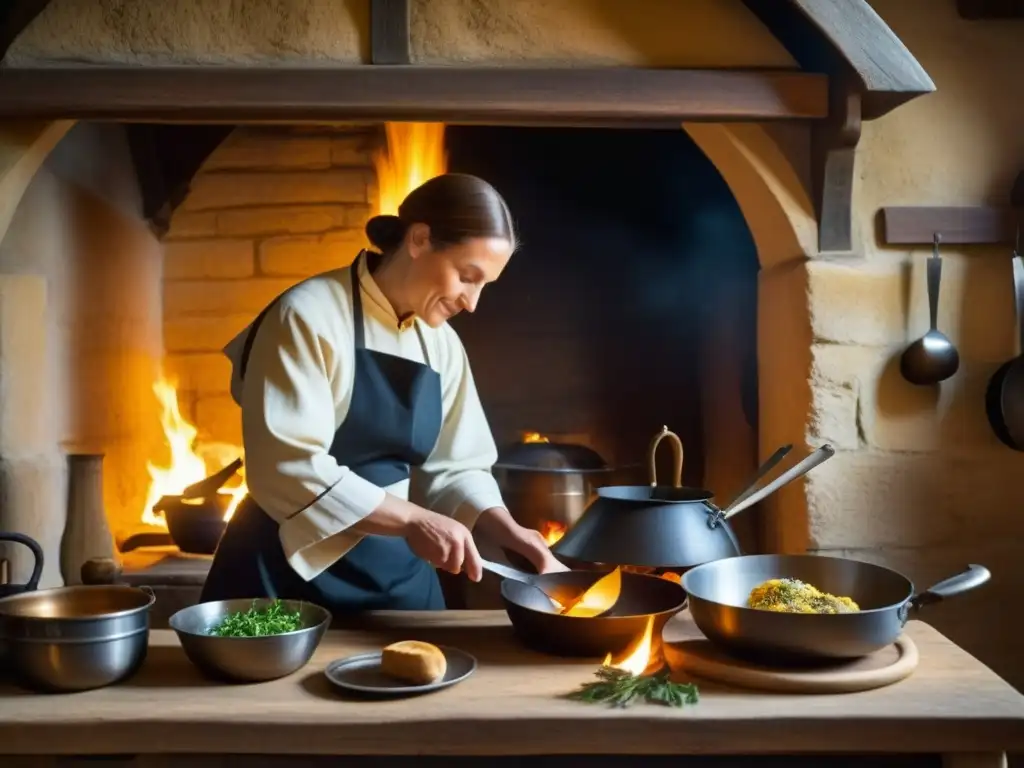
(512, 705)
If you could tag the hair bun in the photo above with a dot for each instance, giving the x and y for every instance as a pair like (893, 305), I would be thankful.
(385, 233)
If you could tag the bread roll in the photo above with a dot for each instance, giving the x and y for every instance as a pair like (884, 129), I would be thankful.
(413, 661)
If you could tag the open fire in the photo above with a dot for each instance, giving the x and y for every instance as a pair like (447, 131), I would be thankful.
(189, 462)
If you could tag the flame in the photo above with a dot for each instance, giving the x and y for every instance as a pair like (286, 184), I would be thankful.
(188, 465)
(639, 658)
(415, 154)
(598, 598)
(534, 437)
(552, 532)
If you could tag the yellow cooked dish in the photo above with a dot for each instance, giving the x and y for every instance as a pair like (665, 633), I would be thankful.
(794, 596)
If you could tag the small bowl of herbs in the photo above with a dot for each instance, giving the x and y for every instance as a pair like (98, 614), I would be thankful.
(250, 640)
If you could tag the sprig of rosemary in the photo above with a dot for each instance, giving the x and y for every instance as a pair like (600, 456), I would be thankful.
(619, 689)
(259, 622)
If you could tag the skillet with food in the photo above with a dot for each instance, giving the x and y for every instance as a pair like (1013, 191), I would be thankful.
(810, 607)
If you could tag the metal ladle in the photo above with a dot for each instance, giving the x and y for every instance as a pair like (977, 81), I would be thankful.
(933, 357)
(538, 598)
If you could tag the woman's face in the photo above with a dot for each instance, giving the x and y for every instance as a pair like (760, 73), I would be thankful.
(447, 281)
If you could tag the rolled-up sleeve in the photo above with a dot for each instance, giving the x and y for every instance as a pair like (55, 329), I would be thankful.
(288, 424)
(457, 476)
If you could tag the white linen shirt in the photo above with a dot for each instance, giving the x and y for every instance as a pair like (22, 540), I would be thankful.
(296, 393)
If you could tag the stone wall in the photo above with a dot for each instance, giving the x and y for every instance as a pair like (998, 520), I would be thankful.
(270, 207)
(921, 483)
(80, 342)
(656, 33)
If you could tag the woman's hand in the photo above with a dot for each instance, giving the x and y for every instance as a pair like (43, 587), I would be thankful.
(498, 526)
(441, 541)
(444, 543)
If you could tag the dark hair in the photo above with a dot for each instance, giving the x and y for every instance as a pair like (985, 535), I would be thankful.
(456, 207)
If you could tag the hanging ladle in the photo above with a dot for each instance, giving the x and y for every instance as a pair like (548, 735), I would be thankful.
(933, 357)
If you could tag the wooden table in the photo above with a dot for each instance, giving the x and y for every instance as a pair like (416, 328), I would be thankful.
(512, 705)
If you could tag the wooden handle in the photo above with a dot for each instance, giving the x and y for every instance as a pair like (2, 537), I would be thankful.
(677, 450)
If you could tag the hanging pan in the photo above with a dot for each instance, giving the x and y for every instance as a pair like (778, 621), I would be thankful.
(1004, 398)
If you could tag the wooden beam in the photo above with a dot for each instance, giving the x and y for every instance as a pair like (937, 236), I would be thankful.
(389, 32)
(15, 15)
(452, 94)
(975, 10)
(833, 161)
(839, 37)
(917, 225)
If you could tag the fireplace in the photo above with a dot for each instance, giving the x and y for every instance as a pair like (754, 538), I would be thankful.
(808, 112)
(614, 318)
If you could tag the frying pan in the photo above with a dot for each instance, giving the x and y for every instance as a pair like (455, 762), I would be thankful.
(1004, 397)
(642, 597)
(718, 595)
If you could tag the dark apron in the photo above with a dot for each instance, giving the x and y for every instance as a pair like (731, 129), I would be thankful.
(393, 422)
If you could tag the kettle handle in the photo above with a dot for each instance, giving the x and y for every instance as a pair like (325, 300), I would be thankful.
(677, 450)
(37, 552)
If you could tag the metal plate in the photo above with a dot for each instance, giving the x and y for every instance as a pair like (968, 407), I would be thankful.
(362, 674)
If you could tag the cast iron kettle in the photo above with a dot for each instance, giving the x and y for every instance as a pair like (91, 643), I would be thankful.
(6, 590)
(657, 526)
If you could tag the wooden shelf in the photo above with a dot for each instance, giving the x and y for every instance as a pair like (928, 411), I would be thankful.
(957, 226)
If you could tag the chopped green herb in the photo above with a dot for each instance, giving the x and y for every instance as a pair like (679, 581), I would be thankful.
(259, 622)
(618, 688)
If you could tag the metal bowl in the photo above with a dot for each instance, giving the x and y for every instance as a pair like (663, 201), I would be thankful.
(248, 659)
(75, 638)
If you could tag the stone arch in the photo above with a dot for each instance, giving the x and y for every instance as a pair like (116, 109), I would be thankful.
(24, 145)
(778, 210)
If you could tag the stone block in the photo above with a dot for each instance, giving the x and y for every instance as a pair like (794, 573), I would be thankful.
(190, 259)
(219, 420)
(863, 499)
(26, 410)
(355, 149)
(834, 416)
(203, 334)
(228, 189)
(221, 298)
(204, 374)
(893, 414)
(191, 224)
(863, 303)
(290, 220)
(263, 148)
(309, 255)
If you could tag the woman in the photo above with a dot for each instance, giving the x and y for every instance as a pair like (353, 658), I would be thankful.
(352, 384)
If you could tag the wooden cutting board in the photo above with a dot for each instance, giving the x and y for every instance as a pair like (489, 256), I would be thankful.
(690, 654)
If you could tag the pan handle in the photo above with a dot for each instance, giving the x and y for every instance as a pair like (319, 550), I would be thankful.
(824, 453)
(506, 571)
(677, 450)
(763, 470)
(972, 578)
